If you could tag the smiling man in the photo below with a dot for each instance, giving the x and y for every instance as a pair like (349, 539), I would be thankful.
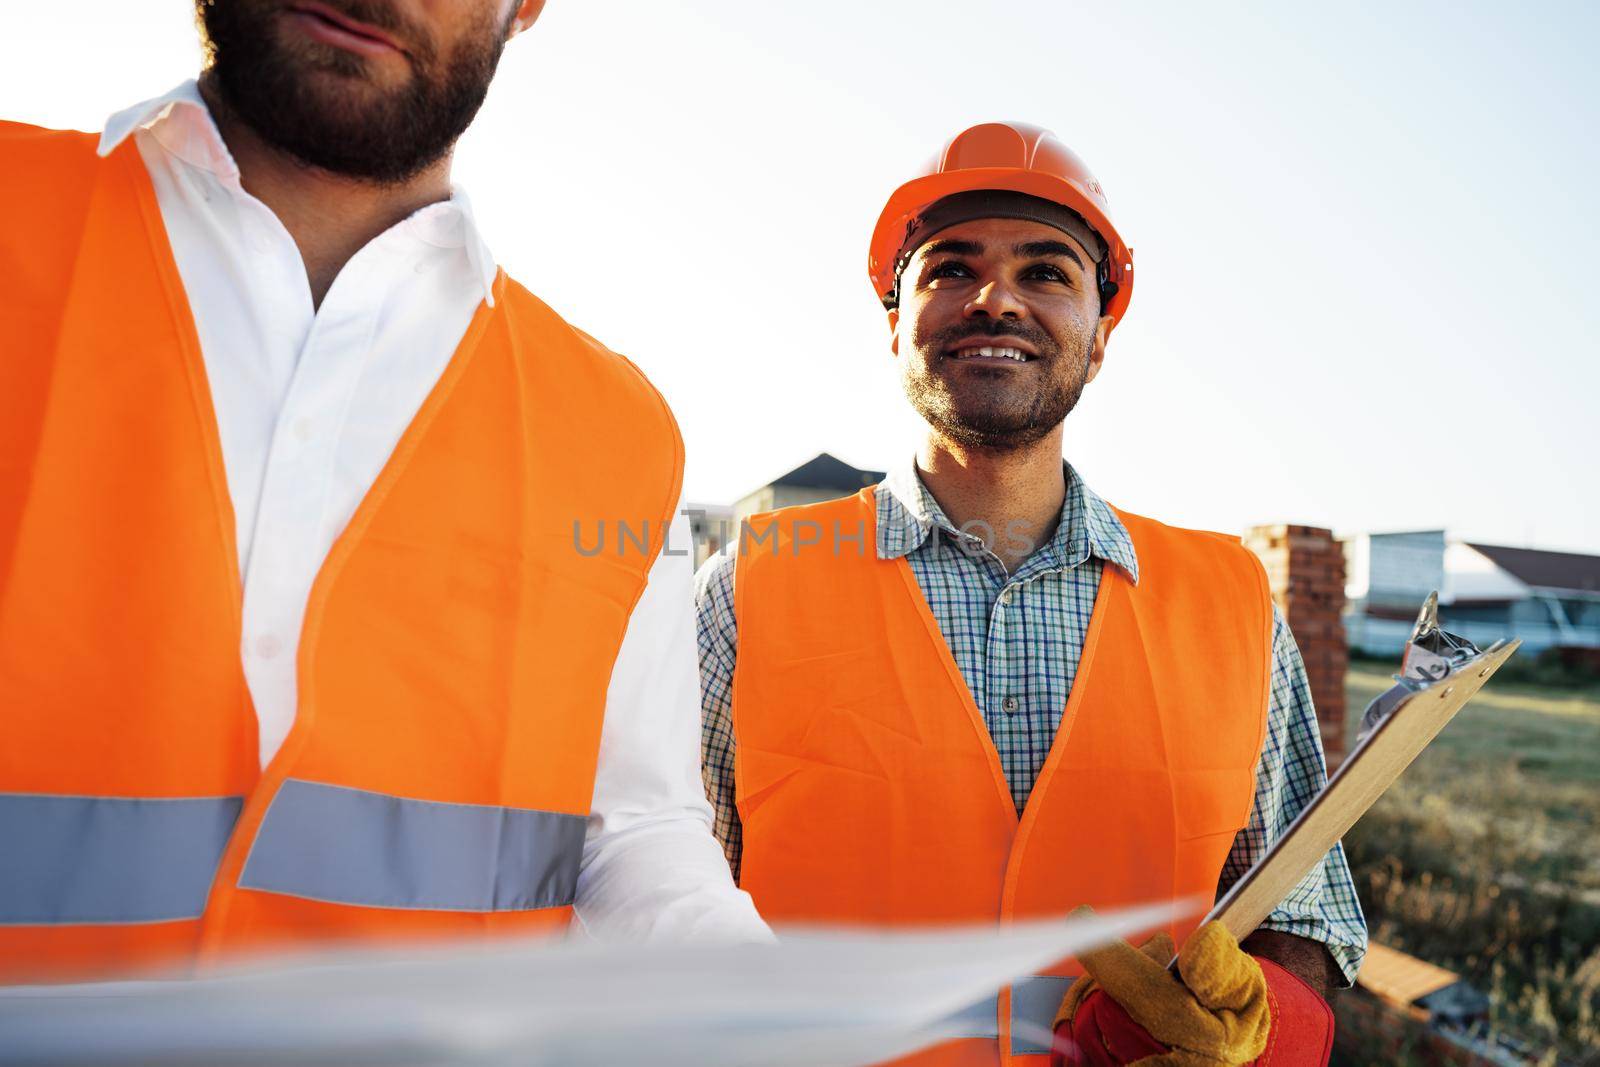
(978, 692)
(296, 646)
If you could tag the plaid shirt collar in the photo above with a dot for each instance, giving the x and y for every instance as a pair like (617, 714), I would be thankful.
(908, 515)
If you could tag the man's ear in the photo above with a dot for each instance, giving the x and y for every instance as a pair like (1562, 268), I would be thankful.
(894, 330)
(527, 14)
(1097, 351)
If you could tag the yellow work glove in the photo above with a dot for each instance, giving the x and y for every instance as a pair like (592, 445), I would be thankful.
(1219, 1014)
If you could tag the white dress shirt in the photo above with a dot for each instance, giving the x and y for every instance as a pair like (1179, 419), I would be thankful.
(310, 402)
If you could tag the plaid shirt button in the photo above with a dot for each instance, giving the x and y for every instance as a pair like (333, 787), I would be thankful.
(1009, 705)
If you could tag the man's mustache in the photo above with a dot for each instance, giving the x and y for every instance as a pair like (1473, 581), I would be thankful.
(951, 336)
(383, 16)
(377, 15)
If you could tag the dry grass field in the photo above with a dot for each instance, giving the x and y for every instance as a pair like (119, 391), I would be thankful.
(1485, 856)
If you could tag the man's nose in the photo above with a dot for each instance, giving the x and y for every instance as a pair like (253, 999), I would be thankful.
(995, 299)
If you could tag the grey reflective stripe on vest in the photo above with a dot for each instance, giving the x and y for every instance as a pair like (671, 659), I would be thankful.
(1034, 1003)
(350, 846)
(982, 1020)
(70, 860)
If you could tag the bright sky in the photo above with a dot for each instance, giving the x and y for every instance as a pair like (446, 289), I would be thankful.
(1366, 234)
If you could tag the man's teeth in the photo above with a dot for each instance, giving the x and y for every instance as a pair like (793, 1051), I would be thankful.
(1004, 353)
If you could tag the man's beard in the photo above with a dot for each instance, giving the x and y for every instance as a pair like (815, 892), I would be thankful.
(362, 130)
(1000, 420)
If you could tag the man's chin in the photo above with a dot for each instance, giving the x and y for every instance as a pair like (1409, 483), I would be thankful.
(989, 430)
(339, 80)
(992, 415)
(344, 111)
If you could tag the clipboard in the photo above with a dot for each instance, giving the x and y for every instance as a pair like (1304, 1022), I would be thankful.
(1370, 768)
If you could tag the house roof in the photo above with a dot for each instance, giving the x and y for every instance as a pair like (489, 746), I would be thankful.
(1547, 570)
(829, 472)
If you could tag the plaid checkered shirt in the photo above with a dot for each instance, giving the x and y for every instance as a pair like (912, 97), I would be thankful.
(1017, 638)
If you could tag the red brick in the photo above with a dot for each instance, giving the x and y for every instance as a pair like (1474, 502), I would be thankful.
(1305, 571)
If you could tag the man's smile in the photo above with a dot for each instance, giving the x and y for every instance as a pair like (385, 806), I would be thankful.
(986, 350)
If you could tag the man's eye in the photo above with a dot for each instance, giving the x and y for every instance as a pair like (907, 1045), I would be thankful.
(1045, 272)
(950, 270)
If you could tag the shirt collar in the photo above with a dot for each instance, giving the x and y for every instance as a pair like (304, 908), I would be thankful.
(908, 514)
(181, 123)
(451, 223)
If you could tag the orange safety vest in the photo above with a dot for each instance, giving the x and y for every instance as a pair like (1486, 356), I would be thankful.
(457, 644)
(870, 790)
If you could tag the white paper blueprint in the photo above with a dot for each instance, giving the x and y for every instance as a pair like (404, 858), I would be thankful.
(817, 999)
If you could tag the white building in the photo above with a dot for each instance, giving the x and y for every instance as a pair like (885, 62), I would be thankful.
(1549, 599)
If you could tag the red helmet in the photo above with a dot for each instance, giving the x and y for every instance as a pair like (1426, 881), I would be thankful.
(1014, 156)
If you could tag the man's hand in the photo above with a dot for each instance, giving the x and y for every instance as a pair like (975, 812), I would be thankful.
(1229, 1009)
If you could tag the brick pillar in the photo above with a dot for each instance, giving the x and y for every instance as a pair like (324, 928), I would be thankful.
(1305, 567)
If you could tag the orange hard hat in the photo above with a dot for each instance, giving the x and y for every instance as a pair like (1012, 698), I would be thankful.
(1012, 156)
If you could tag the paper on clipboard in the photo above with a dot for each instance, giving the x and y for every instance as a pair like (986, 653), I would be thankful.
(1440, 672)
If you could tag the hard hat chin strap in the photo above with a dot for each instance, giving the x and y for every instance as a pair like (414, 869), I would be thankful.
(1108, 288)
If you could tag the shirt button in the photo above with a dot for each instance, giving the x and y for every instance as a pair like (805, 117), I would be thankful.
(1009, 705)
(268, 646)
(302, 429)
(1008, 596)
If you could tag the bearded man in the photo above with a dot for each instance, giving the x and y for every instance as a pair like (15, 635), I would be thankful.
(977, 692)
(296, 644)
